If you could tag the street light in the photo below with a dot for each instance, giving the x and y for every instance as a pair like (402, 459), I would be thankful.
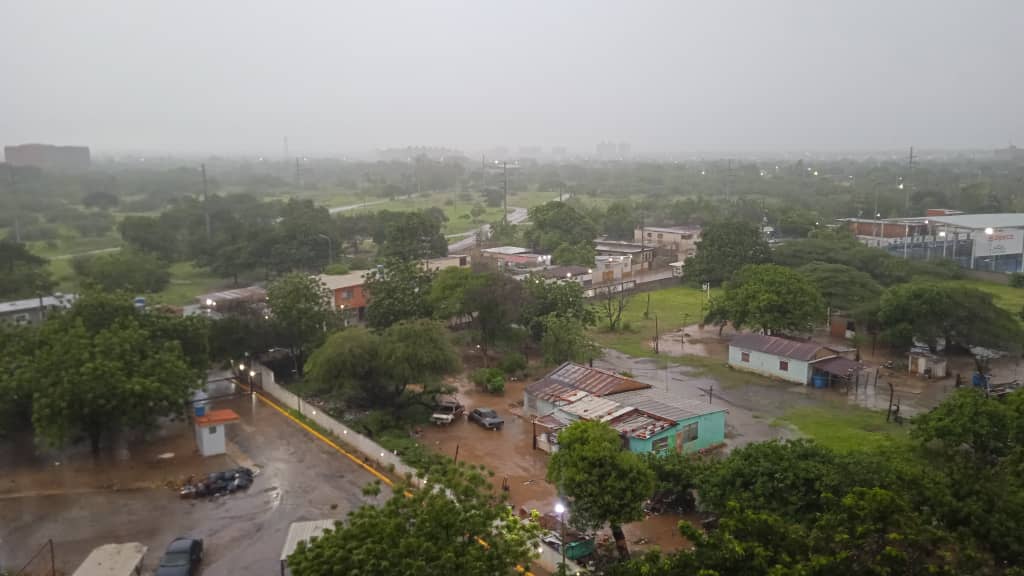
(560, 510)
(988, 233)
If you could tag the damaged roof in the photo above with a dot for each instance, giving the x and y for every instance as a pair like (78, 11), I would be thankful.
(569, 377)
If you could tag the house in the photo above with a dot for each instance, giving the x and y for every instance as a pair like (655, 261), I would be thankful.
(348, 294)
(778, 357)
(612, 269)
(34, 310)
(570, 382)
(449, 261)
(642, 256)
(515, 257)
(679, 239)
(236, 297)
(647, 420)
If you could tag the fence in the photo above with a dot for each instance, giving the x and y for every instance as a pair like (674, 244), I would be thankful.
(372, 452)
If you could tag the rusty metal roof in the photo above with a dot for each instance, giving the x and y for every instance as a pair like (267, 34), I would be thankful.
(838, 366)
(596, 408)
(636, 424)
(777, 346)
(661, 404)
(570, 377)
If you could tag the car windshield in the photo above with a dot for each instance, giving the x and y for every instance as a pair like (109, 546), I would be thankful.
(175, 559)
(488, 413)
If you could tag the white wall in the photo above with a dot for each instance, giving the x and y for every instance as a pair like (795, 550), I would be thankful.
(768, 364)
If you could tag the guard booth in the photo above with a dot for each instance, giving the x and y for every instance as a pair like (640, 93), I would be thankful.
(211, 429)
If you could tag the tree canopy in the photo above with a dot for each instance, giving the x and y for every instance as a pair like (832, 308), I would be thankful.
(842, 287)
(125, 270)
(302, 312)
(398, 290)
(771, 298)
(24, 275)
(724, 248)
(557, 223)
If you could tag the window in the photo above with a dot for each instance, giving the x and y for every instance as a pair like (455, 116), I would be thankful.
(649, 234)
(659, 235)
(463, 261)
(659, 444)
(346, 294)
(783, 366)
(745, 356)
(213, 430)
(690, 432)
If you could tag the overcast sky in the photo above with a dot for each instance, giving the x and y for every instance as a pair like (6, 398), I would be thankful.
(225, 76)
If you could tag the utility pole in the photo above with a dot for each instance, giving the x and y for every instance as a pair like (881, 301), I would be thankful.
(504, 171)
(206, 202)
(298, 173)
(17, 210)
(910, 171)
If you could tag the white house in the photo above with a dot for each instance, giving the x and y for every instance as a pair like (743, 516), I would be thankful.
(776, 357)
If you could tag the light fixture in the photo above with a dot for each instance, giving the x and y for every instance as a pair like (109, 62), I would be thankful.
(241, 367)
(559, 508)
(989, 231)
(252, 373)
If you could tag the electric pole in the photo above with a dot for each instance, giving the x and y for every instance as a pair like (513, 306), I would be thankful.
(298, 174)
(17, 209)
(206, 202)
(504, 171)
(910, 171)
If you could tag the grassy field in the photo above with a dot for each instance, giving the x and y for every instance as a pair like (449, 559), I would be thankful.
(674, 307)
(845, 428)
(1007, 297)
(187, 282)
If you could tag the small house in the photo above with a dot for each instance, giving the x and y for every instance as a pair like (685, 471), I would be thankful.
(776, 357)
(571, 382)
(922, 362)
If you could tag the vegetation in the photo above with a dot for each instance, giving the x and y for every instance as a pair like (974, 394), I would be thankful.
(302, 313)
(770, 298)
(724, 248)
(127, 271)
(565, 339)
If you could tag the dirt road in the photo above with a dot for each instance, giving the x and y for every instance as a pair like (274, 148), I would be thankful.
(298, 479)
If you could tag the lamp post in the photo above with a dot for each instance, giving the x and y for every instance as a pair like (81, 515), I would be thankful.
(330, 248)
(988, 233)
(560, 510)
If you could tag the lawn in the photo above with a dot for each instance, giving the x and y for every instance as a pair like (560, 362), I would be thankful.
(1007, 297)
(846, 428)
(674, 307)
(187, 282)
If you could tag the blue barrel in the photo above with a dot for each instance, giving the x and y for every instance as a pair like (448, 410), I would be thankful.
(820, 380)
(200, 410)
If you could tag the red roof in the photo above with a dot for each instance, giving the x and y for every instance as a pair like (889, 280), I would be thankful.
(777, 346)
(215, 417)
(570, 376)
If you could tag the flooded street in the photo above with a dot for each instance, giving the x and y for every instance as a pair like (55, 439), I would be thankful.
(81, 504)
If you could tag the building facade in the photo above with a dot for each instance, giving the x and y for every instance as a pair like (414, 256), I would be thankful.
(348, 295)
(48, 157)
(641, 256)
(679, 239)
(776, 357)
(34, 310)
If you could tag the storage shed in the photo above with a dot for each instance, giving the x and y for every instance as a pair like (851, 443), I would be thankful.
(776, 357)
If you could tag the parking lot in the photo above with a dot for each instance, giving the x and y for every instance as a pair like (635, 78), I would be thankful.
(82, 504)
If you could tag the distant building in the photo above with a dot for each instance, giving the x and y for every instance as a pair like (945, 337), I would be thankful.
(791, 360)
(642, 257)
(347, 294)
(515, 257)
(679, 239)
(34, 310)
(48, 157)
(449, 261)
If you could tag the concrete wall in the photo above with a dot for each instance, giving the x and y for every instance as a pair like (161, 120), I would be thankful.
(768, 365)
(710, 431)
(374, 453)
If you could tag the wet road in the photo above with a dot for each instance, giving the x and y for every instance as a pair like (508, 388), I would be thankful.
(299, 479)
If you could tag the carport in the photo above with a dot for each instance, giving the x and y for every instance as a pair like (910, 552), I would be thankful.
(835, 370)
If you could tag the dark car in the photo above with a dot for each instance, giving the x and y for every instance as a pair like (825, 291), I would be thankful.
(182, 557)
(487, 418)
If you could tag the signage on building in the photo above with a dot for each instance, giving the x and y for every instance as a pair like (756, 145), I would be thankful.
(1001, 241)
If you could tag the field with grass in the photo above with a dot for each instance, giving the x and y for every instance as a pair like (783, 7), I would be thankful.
(845, 428)
(674, 307)
(1007, 297)
(187, 282)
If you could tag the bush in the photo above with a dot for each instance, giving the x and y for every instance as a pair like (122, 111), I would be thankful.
(336, 269)
(359, 263)
(491, 379)
(512, 363)
(1017, 280)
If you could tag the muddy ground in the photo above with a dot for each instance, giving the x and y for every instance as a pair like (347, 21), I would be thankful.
(82, 503)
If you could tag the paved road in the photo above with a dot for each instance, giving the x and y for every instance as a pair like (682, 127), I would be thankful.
(87, 253)
(299, 479)
(337, 209)
(515, 216)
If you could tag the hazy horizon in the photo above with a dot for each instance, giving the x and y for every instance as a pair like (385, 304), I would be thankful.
(666, 77)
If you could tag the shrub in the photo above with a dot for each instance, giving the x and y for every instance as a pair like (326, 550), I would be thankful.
(491, 379)
(336, 268)
(1017, 280)
(512, 363)
(359, 263)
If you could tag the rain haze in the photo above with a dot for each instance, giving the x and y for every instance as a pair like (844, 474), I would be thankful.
(236, 77)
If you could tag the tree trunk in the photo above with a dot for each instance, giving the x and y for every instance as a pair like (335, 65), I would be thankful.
(94, 441)
(620, 542)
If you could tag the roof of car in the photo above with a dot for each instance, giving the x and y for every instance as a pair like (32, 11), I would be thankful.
(182, 544)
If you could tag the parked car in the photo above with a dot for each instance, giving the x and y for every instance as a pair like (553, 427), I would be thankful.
(218, 483)
(487, 418)
(182, 557)
(446, 411)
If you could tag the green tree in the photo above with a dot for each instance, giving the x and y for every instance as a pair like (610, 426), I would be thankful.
(448, 292)
(842, 287)
(946, 313)
(412, 236)
(968, 418)
(348, 363)
(398, 290)
(505, 233)
(97, 382)
(415, 352)
(542, 299)
(494, 302)
(620, 220)
(157, 236)
(24, 275)
(724, 248)
(581, 254)
(453, 525)
(557, 223)
(301, 311)
(127, 271)
(565, 340)
(771, 298)
(604, 483)
(18, 344)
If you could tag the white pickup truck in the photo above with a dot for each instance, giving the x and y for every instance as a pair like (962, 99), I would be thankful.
(113, 560)
(446, 411)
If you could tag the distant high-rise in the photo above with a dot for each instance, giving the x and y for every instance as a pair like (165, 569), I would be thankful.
(48, 156)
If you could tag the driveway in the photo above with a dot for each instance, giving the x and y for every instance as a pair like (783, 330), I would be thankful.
(298, 478)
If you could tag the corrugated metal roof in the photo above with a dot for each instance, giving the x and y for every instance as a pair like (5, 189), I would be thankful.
(339, 281)
(300, 531)
(981, 221)
(639, 425)
(64, 301)
(113, 560)
(570, 376)
(837, 366)
(596, 408)
(776, 346)
(664, 405)
(249, 293)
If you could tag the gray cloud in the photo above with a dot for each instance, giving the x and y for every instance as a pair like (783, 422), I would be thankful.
(234, 76)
